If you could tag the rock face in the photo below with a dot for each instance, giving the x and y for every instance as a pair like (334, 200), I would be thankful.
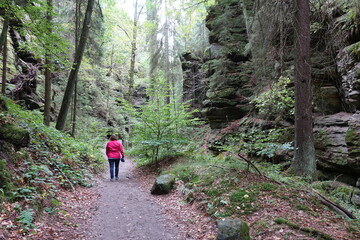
(163, 184)
(225, 65)
(243, 59)
(338, 143)
(19, 137)
(232, 229)
(349, 69)
(194, 86)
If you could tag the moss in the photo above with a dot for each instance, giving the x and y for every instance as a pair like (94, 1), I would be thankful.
(265, 186)
(352, 138)
(243, 200)
(3, 105)
(15, 135)
(309, 231)
(321, 139)
(354, 49)
(5, 177)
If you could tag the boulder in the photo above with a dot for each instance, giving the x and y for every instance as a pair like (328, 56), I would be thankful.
(163, 184)
(349, 70)
(329, 101)
(356, 199)
(2, 105)
(232, 229)
(11, 133)
(337, 143)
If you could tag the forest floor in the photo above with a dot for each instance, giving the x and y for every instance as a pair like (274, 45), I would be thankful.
(125, 209)
(121, 210)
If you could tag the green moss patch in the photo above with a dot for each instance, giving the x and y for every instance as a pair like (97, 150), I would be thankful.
(309, 231)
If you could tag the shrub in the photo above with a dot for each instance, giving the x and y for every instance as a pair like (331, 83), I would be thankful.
(159, 128)
(279, 100)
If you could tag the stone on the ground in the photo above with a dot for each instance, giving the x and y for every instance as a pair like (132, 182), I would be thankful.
(163, 184)
(232, 229)
(11, 133)
(356, 199)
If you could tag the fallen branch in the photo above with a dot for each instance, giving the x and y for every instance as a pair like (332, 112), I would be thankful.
(336, 207)
(251, 164)
(327, 202)
(309, 231)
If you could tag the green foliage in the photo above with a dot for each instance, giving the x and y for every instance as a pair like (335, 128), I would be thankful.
(41, 35)
(5, 178)
(244, 201)
(354, 49)
(339, 193)
(26, 218)
(255, 141)
(277, 101)
(160, 128)
(309, 231)
(52, 158)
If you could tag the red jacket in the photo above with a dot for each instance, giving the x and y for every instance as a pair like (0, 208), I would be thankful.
(114, 149)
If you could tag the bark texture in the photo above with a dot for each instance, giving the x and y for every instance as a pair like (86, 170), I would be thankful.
(60, 124)
(304, 163)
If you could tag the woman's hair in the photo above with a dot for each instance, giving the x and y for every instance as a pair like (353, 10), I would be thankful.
(113, 137)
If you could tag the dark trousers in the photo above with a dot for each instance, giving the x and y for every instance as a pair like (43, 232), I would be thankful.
(112, 162)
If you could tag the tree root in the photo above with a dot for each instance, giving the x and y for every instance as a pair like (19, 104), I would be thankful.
(309, 231)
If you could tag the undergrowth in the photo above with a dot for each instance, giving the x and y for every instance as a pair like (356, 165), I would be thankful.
(225, 186)
(31, 177)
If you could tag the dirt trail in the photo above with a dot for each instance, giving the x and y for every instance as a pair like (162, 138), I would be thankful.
(125, 211)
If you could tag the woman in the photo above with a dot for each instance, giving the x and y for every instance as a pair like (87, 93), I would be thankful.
(114, 152)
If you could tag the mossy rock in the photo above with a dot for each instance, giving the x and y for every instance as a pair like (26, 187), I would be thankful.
(232, 229)
(13, 134)
(5, 177)
(163, 184)
(3, 105)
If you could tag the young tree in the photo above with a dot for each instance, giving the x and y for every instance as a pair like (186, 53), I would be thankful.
(158, 128)
(60, 124)
(304, 163)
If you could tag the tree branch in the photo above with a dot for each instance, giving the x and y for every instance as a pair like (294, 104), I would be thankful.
(124, 32)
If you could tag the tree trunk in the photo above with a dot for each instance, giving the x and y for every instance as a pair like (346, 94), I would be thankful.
(60, 124)
(304, 163)
(77, 30)
(47, 105)
(133, 51)
(3, 47)
(4, 31)
(154, 48)
(167, 53)
(4, 58)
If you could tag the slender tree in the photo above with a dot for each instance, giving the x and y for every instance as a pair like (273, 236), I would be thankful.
(60, 124)
(47, 105)
(304, 163)
(133, 49)
(4, 32)
(167, 51)
(77, 30)
(153, 43)
(3, 48)
(4, 59)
